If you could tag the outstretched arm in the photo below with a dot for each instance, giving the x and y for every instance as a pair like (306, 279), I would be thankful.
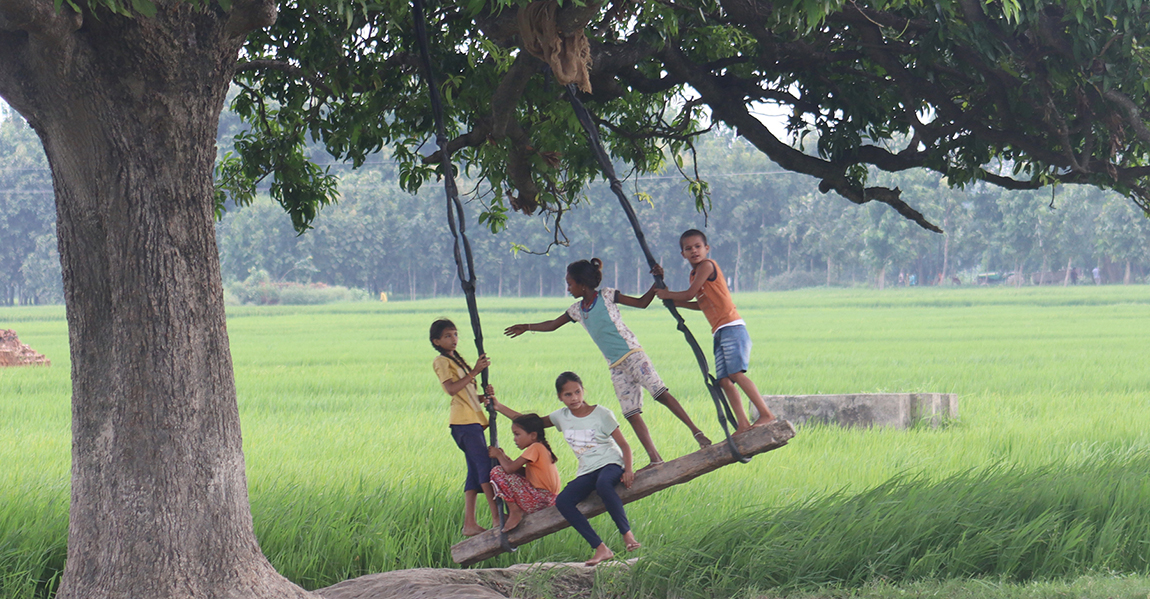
(702, 273)
(547, 326)
(645, 300)
(512, 414)
(502, 409)
(691, 305)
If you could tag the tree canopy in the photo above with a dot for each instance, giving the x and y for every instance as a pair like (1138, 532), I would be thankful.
(1018, 93)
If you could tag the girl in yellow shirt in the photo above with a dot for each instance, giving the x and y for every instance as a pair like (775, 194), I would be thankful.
(467, 419)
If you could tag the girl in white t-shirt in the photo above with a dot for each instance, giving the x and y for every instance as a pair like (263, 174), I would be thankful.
(631, 370)
(604, 461)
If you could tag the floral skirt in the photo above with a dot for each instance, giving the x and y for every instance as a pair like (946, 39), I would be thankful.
(514, 488)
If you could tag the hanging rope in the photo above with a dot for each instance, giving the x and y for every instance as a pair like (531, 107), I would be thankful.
(592, 130)
(458, 225)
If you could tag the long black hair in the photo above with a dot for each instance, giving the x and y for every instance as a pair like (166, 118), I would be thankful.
(566, 377)
(437, 329)
(588, 273)
(532, 423)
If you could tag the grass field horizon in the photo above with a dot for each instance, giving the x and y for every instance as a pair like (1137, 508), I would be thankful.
(351, 469)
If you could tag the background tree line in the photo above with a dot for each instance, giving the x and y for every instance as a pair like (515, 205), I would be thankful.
(770, 229)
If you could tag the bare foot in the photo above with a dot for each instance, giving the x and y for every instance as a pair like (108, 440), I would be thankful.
(602, 554)
(763, 421)
(742, 429)
(702, 440)
(513, 520)
(652, 464)
(471, 532)
(632, 544)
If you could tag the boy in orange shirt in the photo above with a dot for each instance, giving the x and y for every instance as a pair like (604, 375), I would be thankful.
(708, 292)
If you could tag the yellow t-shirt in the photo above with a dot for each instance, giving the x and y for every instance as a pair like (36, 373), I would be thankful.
(465, 408)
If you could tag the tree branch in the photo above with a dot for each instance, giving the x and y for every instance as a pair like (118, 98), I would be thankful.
(511, 87)
(39, 18)
(248, 15)
(1131, 115)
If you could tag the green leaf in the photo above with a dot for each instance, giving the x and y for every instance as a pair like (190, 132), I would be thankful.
(144, 7)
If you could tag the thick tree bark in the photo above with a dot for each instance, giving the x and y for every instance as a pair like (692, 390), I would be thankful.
(127, 109)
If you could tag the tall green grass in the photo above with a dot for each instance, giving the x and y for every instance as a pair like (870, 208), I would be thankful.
(351, 468)
(1006, 523)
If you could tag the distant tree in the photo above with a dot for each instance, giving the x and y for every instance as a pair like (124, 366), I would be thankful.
(1017, 231)
(27, 210)
(43, 283)
(261, 238)
(1123, 235)
(885, 242)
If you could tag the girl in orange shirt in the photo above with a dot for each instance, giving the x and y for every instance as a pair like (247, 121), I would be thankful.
(530, 482)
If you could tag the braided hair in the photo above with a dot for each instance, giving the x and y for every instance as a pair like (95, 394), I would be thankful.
(437, 329)
(532, 423)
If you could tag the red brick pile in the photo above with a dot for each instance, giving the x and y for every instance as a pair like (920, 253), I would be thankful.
(14, 353)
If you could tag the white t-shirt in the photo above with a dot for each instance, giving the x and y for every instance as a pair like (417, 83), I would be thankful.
(589, 437)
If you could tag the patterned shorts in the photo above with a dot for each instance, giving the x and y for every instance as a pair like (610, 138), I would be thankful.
(514, 488)
(630, 377)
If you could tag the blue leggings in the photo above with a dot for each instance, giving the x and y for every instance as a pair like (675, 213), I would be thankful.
(469, 438)
(602, 480)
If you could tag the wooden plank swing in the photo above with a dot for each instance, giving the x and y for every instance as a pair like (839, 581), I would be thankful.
(678, 471)
(758, 440)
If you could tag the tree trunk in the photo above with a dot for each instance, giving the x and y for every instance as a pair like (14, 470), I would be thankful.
(1066, 278)
(738, 260)
(1126, 279)
(127, 110)
(762, 265)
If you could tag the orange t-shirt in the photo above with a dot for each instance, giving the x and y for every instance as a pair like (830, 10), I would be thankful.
(715, 299)
(540, 470)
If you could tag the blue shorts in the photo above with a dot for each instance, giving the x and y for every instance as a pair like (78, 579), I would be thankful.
(469, 438)
(732, 351)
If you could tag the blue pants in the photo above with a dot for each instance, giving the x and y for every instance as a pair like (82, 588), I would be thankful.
(469, 438)
(602, 480)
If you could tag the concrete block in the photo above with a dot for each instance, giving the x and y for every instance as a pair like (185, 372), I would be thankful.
(865, 410)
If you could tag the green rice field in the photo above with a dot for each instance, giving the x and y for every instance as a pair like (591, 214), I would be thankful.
(352, 469)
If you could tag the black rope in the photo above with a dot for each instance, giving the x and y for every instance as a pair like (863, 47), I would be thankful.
(458, 225)
(592, 130)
